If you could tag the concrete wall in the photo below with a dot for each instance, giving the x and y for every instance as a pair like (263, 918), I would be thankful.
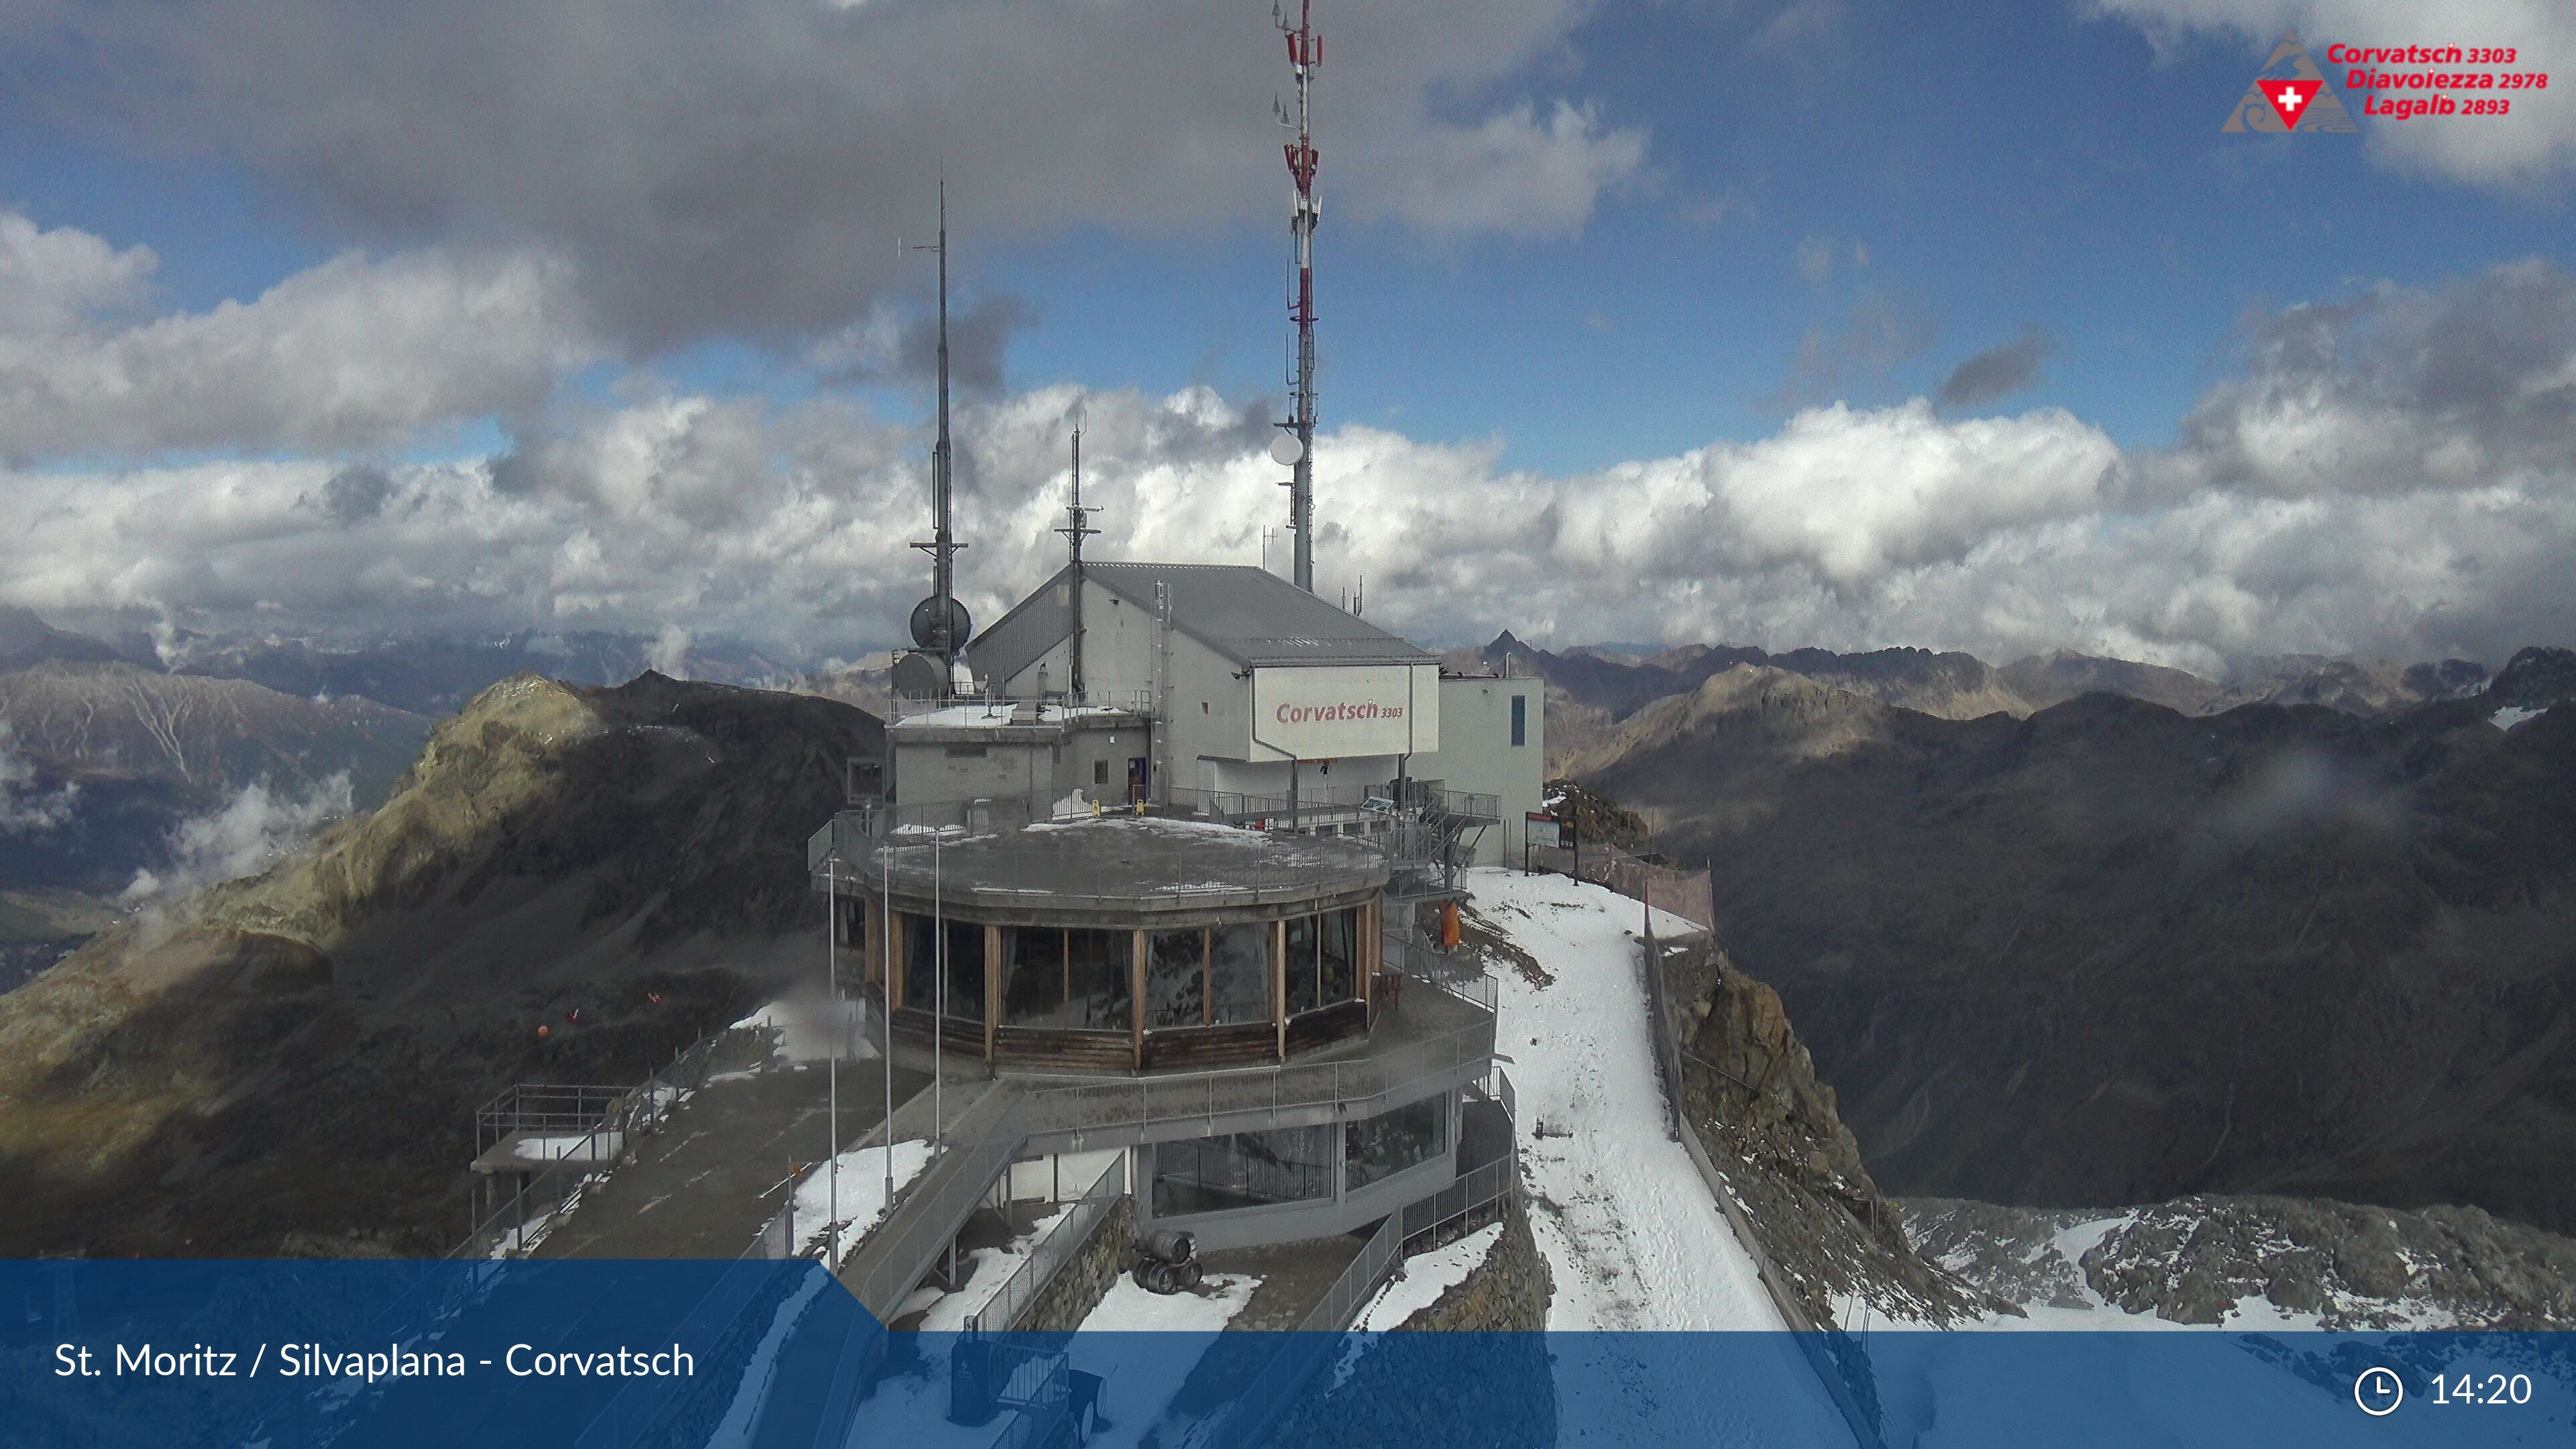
(1084, 1280)
(1476, 753)
(935, 771)
(1051, 763)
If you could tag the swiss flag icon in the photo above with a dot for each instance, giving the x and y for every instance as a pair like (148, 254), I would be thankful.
(2289, 99)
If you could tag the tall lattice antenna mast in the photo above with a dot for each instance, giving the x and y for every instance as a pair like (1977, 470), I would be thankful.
(939, 625)
(1077, 527)
(1305, 57)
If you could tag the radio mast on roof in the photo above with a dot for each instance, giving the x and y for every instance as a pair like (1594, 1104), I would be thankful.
(1305, 56)
(939, 623)
(1077, 527)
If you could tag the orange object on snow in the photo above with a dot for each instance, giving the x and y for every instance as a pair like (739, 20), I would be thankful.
(1449, 934)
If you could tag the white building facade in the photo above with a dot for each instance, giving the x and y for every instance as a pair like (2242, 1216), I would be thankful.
(1250, 691)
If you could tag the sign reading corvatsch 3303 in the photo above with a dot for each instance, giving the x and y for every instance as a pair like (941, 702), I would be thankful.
(1320, 712)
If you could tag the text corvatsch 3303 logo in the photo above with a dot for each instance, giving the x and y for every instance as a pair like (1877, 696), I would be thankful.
(2292, 95)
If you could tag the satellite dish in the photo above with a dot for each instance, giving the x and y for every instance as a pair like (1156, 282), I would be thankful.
(920, 676)
(925, 626)
(1285, 450)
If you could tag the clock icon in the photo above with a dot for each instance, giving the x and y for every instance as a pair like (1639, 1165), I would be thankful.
(2378, 1391)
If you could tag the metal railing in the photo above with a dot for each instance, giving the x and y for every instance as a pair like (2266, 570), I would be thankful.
(541, 1109)
(1475, 1190)
(927, 1220)
(1243, 1422)
(1033, 1382)
(1001, 1312)
(517, 1226)
(1130, 701)
(1303, 1354)
(1683, 893)
(909, 832)
(1142, 1103)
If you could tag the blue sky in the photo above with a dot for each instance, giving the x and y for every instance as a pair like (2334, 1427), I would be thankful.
(2004, 167)
(1743, 210)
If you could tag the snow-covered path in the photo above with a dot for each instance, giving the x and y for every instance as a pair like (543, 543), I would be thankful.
(1628, 1228)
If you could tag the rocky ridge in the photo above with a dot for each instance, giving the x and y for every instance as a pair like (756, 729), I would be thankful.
(2027, 951)
(2209, 1259)
(623, 866)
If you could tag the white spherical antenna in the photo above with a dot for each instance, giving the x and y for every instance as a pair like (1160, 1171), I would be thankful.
(1285, 450)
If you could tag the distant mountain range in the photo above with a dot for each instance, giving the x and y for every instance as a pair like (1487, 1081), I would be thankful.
(124, 741)
(2114, 952)
(1591, 688)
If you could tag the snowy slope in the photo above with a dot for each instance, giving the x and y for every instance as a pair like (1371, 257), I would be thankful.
(1635, 1241)
(1628, 1228)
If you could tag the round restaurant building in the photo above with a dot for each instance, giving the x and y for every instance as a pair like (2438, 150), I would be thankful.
(1117, 942)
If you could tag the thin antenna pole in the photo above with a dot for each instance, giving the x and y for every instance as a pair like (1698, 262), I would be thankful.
(1305, 57)
(1077, 527)
(942, 546)
(938, 989)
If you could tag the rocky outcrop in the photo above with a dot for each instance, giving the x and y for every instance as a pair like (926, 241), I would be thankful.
(1506, 1293)
(2202, 1259)
(2536, 679)
(624, 867)
(1750, 1089)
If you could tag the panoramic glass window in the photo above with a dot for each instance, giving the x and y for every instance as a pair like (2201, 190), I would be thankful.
(1245, 1169)
(1341, 931)
(1033, 977)
(1176, 978)
(1098, 994)
(1239, 973)
(1301, 965)
(1393, 1141)
(966, 970)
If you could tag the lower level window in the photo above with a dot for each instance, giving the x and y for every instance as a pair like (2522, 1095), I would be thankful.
(1390, 1142)
(1243, 1169)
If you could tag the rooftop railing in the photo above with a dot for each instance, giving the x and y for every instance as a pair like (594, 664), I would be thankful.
(1128, 701)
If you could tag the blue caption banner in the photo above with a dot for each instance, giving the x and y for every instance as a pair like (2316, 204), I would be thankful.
(358, 1355)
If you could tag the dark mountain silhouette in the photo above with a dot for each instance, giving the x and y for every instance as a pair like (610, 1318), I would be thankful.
(301, 1052)
(2112, 953)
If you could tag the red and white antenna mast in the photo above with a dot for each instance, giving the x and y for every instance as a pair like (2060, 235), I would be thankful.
(1305, 56)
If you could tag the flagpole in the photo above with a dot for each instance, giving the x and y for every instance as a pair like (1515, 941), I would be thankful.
(885, 985)
(938, 988)
(832, 1064)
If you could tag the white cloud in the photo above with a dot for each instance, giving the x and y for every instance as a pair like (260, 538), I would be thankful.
(51, 281)
(757, 185)
(354, 353)
(2390, 472)
(1519, 172)
(249, 833)
(24, 809)
(2531, 152)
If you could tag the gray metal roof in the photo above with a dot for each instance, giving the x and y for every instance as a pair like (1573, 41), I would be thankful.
(1247, 614)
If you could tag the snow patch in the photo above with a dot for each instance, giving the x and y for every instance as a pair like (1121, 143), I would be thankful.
(861, 1194)
(1425, 1277)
